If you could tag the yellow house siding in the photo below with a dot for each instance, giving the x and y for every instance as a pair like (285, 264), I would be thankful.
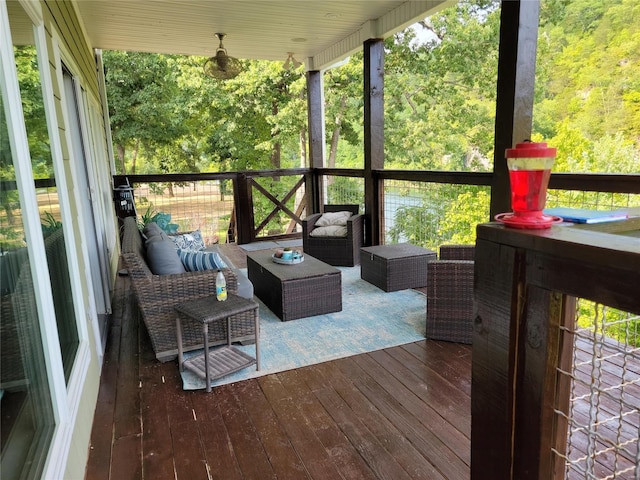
(66, 22)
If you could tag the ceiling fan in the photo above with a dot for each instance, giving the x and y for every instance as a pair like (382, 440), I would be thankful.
(221, 66)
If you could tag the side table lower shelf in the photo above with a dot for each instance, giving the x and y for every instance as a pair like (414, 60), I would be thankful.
(222, 361)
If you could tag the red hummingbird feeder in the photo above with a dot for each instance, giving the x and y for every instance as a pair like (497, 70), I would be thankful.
(529, 166)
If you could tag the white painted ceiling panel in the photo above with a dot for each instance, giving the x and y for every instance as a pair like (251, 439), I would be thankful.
(316, 31)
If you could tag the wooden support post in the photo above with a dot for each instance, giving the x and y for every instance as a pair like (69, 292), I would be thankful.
(514, 102)
(492, 399)
(373, 135)
(315, 112)
(244, 208)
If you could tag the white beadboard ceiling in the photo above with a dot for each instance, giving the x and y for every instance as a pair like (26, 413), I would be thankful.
(318, 32)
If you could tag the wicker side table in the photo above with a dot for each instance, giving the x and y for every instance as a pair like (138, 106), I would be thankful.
(395, 267)
(223, 360)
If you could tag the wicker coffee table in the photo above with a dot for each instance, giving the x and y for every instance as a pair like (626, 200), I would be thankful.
(395, 267)
(221, 361)
(295, 291)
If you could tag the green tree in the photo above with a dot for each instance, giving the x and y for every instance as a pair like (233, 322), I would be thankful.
(588, 71)
(439, 106)
(344, 113)
(33, 110)
(141, 89)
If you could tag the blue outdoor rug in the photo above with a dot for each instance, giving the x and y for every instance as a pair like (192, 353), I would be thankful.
(371, 319)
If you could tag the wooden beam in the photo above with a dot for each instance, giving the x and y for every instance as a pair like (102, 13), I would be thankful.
(373, 135)
(493, 353)
(244, 208)
(514, 102)
(315, 113)
(316, 126)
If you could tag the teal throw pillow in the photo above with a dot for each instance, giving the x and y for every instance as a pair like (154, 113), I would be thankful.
(196, 261)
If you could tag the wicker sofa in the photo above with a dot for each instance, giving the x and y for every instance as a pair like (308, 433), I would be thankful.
(450, 294)
(158, 294)
(338, 251)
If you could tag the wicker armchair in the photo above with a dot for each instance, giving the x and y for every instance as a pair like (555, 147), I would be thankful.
(450, 294)
(158, 294)
(340, 251)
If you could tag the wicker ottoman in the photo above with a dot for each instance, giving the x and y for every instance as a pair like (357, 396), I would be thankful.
(395, 267)
(295, 291)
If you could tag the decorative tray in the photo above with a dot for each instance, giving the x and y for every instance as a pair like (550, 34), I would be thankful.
(282, 261)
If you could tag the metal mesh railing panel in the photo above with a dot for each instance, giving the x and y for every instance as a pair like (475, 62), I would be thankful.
(603, 411)
(591, 200)
(204, 205)
(344, 191)
(431, 214)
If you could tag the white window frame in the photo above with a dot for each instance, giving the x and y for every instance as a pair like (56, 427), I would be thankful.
(62, 56)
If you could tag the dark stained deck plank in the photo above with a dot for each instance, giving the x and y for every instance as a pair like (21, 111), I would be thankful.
(423, 409)
(426, 384)
(400, 408)
(344, 454)
(438, 357)
(99, 463)
(157, 460)
(127, 408)
(372, 451)
(217, 446)
(401, 446)
(249, 452)
(283, 458)
(316, 459)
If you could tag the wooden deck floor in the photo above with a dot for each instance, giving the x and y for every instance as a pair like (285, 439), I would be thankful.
(400, 413)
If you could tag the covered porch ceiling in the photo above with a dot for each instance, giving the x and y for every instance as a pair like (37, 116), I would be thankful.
(320, 33)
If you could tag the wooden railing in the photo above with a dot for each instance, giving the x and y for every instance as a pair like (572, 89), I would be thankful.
(523, 347)
(307, 189)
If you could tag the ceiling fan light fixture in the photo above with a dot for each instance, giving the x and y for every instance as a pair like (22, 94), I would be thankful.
(221, 66)
(291, 63)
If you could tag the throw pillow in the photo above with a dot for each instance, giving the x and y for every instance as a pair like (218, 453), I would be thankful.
(330, 231)
(333, 218)
(151, 229)
(188, 241)
(196, 261)
(156, 237)
(162, 257)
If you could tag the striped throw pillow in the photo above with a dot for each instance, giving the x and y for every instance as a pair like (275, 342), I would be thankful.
(196, 261)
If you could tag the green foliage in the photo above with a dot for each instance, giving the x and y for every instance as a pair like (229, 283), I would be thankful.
(464, 214)
(34, 115)
(49, 224)
(346, 191)
(587, 92)
(439, 106)
(444, 214)
(146, 113)
(146, 217)
(439, 98)
(151, 215)
(608, 322)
